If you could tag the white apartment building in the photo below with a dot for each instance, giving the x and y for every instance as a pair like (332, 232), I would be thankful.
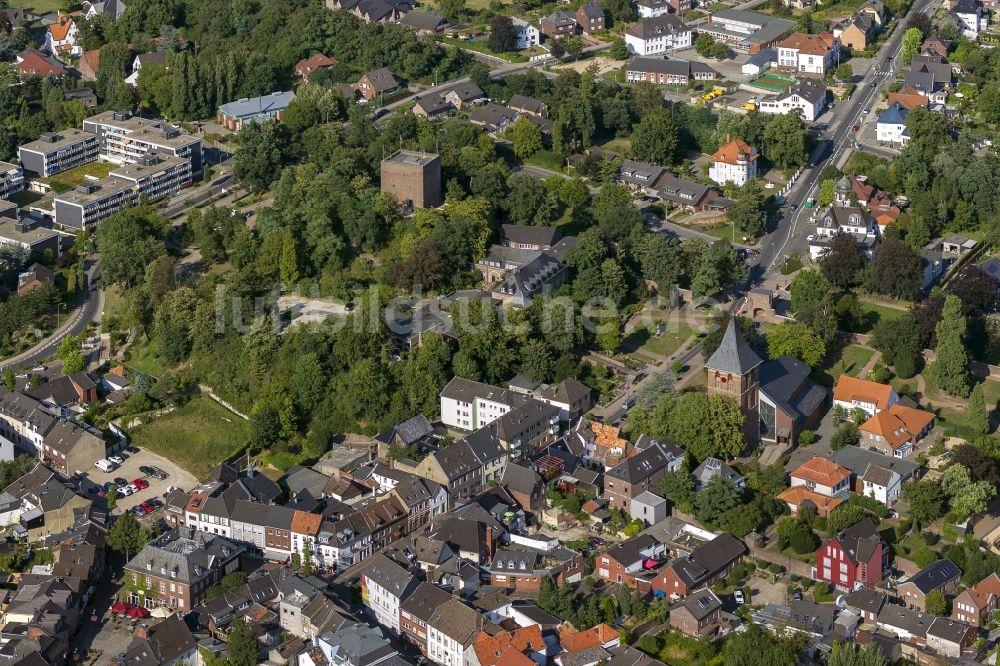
(809, 54)
(735, 162)
(469, 405)
(658, 34)
(125, 139)
(11, 179)
(451, 629)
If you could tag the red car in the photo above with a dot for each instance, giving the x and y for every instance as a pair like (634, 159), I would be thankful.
(141, 484)
(146, 507)
(855, 128)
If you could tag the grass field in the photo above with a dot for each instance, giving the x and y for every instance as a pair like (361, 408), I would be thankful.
(666, 345)
(875, 313)
(36, 6)
(67, 180)
(196, 436)
(855, 357)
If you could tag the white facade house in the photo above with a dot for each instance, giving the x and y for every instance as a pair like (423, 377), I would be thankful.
(871, 397)
(735, 162)
(970, 18)
(881, 484)
(658, 34)
(526, 35)
(809, 54)
(384, 586)
(451, 630)
(469, 405)
(60, 38)
(807, 98)
(651, 8)
(891, 125)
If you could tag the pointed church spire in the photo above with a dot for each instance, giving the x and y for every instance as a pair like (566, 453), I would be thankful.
(734, 356)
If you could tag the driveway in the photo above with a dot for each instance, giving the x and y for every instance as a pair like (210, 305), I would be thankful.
(176, 477)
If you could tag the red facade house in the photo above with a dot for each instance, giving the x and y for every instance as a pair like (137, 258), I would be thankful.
(853, 559)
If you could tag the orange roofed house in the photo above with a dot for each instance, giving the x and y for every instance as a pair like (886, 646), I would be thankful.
(599, 636)
(872, 397)
(734, 162)
(896, 431)
(976, 604)
(819, 481)
(489, 649)
(61, 37)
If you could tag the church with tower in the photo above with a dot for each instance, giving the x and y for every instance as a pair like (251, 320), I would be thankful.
(777, 397)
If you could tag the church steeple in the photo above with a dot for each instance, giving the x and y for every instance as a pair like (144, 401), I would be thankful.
(734, 356)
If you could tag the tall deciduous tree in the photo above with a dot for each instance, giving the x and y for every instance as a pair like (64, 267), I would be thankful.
(502, 36)
(786, 142)
(264, 150)
(808, 287)
(912, 39)
(748, 214)
(842, 261)
(526, 137)
(127, 535)
(655, 138)
(244, 649)
(795, 339)
(950, 369)
(896, 271)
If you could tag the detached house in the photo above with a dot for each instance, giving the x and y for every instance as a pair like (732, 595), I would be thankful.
(706, 563)
(819, 482)
(735, 161)
(699, 615)
(590, 17)
(60, 39)
(806, 97)
(895, 431)
(977, 604)
(377, 82)
(853, 559)
(558, 25)
(872, 397)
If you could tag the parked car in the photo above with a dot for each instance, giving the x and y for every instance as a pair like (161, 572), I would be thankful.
(121, 481)
(155, 503)
(797, 594)
(138, 511)
(738, 597)
(105, 465)
(132, 488)
(126, 490)
(145, 506)
(146, 469)
(141, 484)
(158, 474)
(38, 368)
(118, 460)
(628, 403)
(132, 449)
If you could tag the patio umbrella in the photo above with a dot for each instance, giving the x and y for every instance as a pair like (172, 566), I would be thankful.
(160, 611)
(137, 612)
(119, 607)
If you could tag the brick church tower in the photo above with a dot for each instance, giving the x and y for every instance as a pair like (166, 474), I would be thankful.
(733, 372)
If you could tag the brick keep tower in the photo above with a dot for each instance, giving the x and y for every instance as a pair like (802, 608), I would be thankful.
(732, 371)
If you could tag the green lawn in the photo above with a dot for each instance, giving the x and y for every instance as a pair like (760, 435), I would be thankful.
(546, 159)
(855, 357)
(197, 436)
(665, 345)
(771, 80)
(39, 7)
(619, 145)
(875, 313)
(67, 180)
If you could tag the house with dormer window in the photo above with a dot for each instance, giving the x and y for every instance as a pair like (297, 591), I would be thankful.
(820, 483)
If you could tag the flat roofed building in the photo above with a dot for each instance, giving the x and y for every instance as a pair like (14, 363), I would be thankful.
(125, 139)
(93, 201)
(413, 178)
(11, 179)
(747, 31)
(28, 234)
(55, 152)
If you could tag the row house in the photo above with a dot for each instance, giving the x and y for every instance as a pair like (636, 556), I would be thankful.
(423, 500)
(451, 631)
(455, 467)
(416, 611)
(385, 585)
(668, 71)
(640, 472)
(943, 575)
(523, 569)
(706, 563)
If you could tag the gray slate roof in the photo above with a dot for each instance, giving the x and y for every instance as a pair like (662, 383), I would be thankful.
(934, 575)
(258, 106)
(734, 355)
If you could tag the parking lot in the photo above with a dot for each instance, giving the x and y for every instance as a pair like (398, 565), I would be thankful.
(129, 471)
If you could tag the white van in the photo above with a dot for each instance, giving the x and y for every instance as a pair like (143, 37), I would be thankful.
(104, 465)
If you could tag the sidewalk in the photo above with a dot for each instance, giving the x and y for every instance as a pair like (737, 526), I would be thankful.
(72, 319)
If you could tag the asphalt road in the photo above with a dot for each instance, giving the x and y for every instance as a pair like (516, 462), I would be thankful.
(794, 227)
(93, 302)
